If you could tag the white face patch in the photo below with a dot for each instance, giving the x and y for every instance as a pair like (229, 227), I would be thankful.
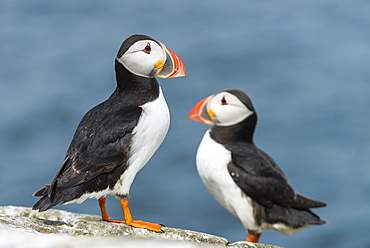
(228, 109)
(141, 57)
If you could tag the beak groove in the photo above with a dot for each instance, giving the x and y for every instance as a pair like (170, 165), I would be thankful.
(201, 113)
(172, 66)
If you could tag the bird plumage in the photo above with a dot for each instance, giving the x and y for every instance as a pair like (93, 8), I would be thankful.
(98, 152)
(242, 177)
(116, 138)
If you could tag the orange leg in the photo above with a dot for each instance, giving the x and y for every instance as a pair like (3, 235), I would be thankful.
(253, 237)
(127, 216)
(104, 213)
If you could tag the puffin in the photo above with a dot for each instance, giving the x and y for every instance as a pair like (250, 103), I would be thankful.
(116, 138)
(242, 177)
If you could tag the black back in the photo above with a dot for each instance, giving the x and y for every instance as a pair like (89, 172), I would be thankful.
(259, 177)
(100, 148)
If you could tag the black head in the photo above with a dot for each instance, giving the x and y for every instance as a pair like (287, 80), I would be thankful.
(126, 44)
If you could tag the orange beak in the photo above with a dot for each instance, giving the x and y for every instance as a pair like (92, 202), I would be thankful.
(172, 67)
(201, 113)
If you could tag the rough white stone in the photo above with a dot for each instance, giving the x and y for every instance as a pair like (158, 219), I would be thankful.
(22, 227)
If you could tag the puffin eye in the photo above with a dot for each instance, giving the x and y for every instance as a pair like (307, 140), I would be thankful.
(147, 49)
(223, 101)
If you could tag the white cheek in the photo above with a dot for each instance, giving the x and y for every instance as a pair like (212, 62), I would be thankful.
(230, 115)
(140, 63)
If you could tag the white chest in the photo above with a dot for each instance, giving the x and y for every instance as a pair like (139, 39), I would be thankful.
(212, 159)
(148, 136)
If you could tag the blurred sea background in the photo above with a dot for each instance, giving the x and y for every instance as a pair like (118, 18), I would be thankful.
(305, 65)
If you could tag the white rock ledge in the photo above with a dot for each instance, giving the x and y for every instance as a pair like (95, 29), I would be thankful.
(23, 227)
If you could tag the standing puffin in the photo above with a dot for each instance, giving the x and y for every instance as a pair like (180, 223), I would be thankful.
(240, 176)
(116, 138)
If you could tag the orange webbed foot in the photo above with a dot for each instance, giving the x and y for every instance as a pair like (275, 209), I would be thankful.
(146, 225)
(128, 218)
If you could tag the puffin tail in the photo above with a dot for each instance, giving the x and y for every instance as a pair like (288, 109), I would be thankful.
(44, 204)
(292, 219)
(305, 202)
(47, 200)
(43, 191)
(52, 197)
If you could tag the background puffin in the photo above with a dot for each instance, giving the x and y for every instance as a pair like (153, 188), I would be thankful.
(116, 138)
(240, 176)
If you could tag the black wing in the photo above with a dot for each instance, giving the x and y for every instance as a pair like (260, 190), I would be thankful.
(258, 176)
(100, 144)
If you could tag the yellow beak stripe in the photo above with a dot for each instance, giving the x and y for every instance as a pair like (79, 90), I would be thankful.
(211, 113)
(159, 64)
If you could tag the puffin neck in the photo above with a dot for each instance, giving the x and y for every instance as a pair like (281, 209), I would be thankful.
(139, 88)
(241, 132)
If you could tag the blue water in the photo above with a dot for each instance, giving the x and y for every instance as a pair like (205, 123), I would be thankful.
(305, 64)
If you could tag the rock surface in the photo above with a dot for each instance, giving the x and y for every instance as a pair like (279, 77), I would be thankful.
(23, 227)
